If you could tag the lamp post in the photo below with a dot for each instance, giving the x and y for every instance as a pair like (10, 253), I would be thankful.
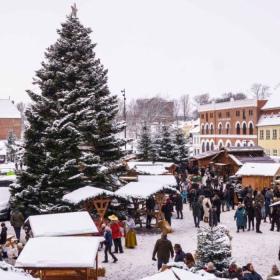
(124, 112)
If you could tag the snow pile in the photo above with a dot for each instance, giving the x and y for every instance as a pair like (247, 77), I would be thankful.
(75, 223)
(258, 169)
(8, 272)
(85, 193)
(146, 186)
(59, 252)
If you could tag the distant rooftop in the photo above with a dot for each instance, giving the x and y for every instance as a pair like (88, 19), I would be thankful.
(228, 105)
(273, 101)
(8, 110)
(243, 149)
(269, 120)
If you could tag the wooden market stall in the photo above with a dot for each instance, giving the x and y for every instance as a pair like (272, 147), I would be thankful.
(147, 186)
(258, 175)
(65, 258)
(62, 224)
(91, 198)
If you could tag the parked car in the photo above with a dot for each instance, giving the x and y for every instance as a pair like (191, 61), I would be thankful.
(5, 195)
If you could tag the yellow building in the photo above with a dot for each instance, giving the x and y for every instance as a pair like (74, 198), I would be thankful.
(269, 127)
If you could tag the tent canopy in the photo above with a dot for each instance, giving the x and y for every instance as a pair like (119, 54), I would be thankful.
(59, 252)
(85, 193)
(73, 223)
(147, 186)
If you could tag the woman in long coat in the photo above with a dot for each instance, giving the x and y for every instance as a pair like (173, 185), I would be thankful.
(240, 217)
(130, 237)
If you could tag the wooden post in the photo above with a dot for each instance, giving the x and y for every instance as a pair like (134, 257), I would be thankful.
(160, 197)
(96, 266)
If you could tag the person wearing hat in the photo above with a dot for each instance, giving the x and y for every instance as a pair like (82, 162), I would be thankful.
(130, 236)
(240, 217)
(116, 233)
(163, 249)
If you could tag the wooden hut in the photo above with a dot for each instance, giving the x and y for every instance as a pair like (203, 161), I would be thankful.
(64, 258)
(258, 175)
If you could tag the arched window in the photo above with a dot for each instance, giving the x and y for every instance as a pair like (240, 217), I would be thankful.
(202, 129)
(244, 129)
(238, 128)
(228, 144)
(221, 145)
(220, 128)
(251, 129)
(207, 146)
(211, 128)
(203, 147)
(206, 129)
(238, 143)
(227, 128)
(212, 146)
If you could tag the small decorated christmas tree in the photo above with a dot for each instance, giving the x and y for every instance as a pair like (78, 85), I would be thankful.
(214, 245)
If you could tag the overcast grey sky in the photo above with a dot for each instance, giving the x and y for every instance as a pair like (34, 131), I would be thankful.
(167, 47)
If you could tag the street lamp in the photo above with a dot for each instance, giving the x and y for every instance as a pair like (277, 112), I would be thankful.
(124, 113)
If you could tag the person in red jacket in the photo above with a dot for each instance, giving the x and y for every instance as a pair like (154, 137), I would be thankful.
(116, 233)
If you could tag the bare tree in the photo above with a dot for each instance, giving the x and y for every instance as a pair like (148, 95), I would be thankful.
(202, 99)
(176, 110)
(185, 103)
(21, 107)
(260, 91)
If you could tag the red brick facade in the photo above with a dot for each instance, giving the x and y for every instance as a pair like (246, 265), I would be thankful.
(7, 125)
(229, 124)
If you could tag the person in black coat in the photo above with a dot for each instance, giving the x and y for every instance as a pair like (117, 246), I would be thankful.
(275, 215)
(3, 234)
(167, 210)
(250, 273)
(179, 253)
(216, 202)
(150, 207)
(179, 206)
(249, 207)
(258, 215)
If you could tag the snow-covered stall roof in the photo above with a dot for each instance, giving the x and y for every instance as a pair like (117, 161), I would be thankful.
(59, 252)
(147, 186)
(85, 193)
(14, 274)
(259, 169)
(165, 275)
(148, 167)
(74, 223)
(8, 110)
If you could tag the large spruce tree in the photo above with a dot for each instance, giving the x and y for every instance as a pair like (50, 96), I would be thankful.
(71, 132)
(181, 152)
(167, 148)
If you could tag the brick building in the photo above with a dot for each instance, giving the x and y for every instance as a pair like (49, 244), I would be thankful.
(229, 124)
(10, 119)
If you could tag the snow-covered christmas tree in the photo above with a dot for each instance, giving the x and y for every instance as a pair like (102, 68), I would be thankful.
(167, 148)
(145, 144)
(70, 139)
(214, 245)
(181, 152)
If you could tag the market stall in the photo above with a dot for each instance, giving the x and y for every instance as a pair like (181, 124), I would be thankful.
(63, 224)
(61, 258)
(147, 186)
(91, 198)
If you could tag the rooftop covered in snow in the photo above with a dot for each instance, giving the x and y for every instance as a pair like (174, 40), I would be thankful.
(269, 120)
(259, 169)
(8, 110)
(148, 167)
(59, 252)
(85, 193)
(147, 186)
(63, 224)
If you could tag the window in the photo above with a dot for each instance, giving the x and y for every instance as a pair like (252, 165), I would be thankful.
(202, 116)
(267, 134)
(274, 134)
(211, 129)
(203, 147)
(267, 152)
(211, 115)
(220, 129)
(220, 115)
(228, 114)
(227, 128)
(202, 129)
(244, 114)
(207, 117)
(206, 129)
(251, 113)
(244, 129)
(261, 135)
(237, 113)
(274, 153)
(238, 128)
(207, 147)
(251, 129)
(212, 146)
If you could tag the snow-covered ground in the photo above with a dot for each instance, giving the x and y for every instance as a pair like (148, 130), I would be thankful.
(260, 249)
